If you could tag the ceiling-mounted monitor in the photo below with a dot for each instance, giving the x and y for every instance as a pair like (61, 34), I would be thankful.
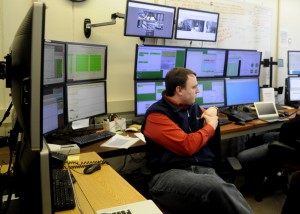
(196, 25)
(149, 20)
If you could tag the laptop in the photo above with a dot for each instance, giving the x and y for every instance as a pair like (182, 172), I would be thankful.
(145, 207)
(267, 111)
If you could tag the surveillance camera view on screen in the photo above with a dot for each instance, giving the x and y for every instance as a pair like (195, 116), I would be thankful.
(149, 20)
(153, 62)
(196, 25)
(86, 62)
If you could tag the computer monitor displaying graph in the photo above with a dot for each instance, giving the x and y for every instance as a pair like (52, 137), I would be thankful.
(86, 61)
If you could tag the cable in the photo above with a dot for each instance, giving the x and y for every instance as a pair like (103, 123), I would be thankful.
(6, 114)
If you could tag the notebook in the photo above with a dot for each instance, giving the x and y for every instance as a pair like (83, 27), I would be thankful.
(145, 207)
(267, 111)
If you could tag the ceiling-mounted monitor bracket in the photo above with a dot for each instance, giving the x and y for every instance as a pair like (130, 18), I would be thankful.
(87, 26)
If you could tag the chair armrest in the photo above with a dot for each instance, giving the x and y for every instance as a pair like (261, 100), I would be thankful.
(280, 145)
(234, 163)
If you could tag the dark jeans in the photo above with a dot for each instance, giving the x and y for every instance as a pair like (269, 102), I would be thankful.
(197, 190)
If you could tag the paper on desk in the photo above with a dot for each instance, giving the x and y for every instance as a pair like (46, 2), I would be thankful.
(120, 141)
(54, 147)
(140, 136)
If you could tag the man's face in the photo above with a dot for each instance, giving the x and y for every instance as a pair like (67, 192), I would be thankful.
(189, 93)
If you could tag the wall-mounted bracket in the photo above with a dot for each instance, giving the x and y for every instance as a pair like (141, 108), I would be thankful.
(87, 26)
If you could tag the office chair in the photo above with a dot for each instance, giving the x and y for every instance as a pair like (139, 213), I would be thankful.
(283, 157)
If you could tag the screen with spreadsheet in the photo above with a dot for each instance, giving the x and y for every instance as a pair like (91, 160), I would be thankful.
(153, 62)
(242, 90)
(206, 62)
(86, 61)
(243, 63)
(86, 99)
(294, 89)
(53, 107)
(211, 92)
(54, 62)
(147, 93)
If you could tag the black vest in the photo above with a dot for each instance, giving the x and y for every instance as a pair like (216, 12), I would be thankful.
(188, 119)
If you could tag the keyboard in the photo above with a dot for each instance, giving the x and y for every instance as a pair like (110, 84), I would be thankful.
(236, 115)
(63, 195)
(84, 140)
(223, 121)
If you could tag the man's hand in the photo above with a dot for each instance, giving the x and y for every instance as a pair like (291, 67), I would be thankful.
(210, 117)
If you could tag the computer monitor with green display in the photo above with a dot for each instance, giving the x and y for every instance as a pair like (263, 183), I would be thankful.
(86, 61)
(154, 61)
(147, 93)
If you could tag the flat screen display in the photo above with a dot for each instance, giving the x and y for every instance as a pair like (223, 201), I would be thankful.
(86, 99)
(86, 62)
(153, 62)
(243, 63)
(206, 62)
(293, 62)
(196, 25)
(294, 89)
(149, 20)
(54, 62)
(212, 92)
(242, 90)
(147, 93)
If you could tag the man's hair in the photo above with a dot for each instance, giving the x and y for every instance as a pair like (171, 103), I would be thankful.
(176, 77)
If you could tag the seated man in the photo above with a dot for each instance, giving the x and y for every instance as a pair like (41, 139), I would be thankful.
(177, 131)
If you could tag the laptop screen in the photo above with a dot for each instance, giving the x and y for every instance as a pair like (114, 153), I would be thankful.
(265, 109)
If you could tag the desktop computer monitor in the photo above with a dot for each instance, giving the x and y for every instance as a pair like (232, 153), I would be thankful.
(206, 62)
(293, 91)
(31, 178)
(243, 63)
(153, 61)
(293, 62)
(53, 107)
(86, 61)
(196, 25)
(242, 90)
(147, 93)
(149, 20)
(86, 99)
(54, 62)
(212, 92)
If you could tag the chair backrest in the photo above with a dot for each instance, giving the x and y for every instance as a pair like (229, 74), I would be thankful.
(290, 133)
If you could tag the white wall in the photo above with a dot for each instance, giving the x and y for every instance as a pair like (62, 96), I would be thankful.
(64, 22)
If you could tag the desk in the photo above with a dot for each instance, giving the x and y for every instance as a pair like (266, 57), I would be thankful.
(102, 189)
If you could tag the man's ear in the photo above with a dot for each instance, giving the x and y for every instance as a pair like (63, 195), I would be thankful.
(178, 90)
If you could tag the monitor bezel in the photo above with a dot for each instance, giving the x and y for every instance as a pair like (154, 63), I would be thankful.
(87, 45)
(199, 48)
(289, 63)
(159, 6)
(158, 46)
(180, 9)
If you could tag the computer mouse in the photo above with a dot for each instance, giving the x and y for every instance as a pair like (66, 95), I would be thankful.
(92, 168)
(240, 123)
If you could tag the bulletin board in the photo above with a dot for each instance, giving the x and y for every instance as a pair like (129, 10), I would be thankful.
(242, 25)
